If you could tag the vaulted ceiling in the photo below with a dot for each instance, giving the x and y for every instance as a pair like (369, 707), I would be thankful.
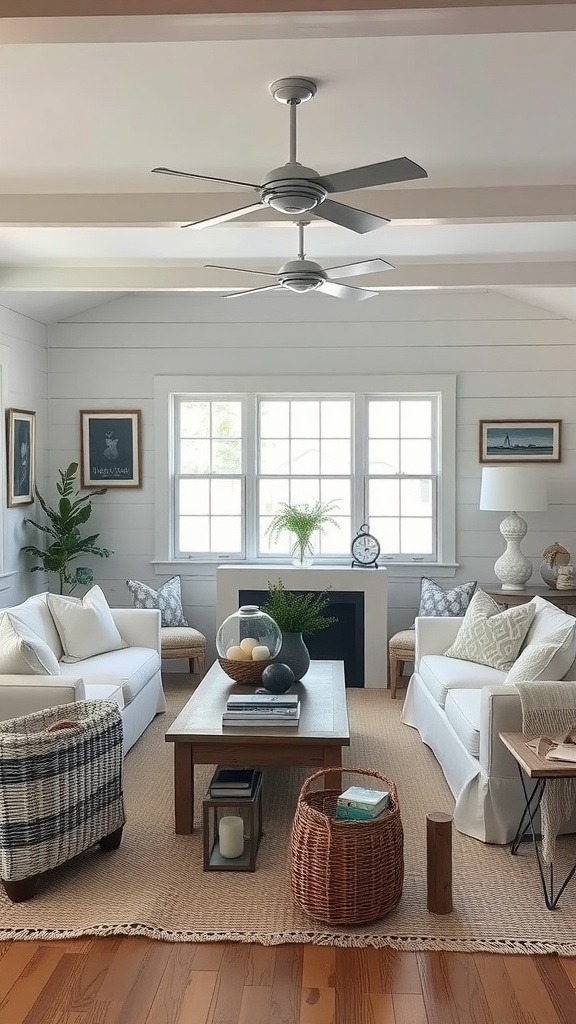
(483, 98)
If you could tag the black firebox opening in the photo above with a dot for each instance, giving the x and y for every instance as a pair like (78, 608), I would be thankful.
(342, 641)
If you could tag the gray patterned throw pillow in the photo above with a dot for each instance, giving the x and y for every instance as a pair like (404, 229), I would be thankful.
(168, 599)
(435, 601)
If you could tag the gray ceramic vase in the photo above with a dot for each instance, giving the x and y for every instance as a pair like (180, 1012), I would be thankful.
(294, 653)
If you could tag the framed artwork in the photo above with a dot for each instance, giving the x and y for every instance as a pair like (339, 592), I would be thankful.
(21, 442)
(110, 448)
(520, 440)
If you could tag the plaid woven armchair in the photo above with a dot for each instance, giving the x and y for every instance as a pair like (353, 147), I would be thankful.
(60, 789)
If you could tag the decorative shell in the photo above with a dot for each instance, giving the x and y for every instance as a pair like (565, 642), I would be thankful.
(556, 555)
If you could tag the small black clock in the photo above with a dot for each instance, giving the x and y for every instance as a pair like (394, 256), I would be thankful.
(365, 549)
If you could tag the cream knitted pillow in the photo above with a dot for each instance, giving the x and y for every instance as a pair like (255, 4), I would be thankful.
(540, 659)
(490, 636)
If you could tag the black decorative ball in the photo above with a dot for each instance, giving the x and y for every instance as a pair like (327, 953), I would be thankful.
(277, 678)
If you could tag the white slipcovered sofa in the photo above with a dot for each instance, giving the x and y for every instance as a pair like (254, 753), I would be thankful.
(129, 676)
(459, 708)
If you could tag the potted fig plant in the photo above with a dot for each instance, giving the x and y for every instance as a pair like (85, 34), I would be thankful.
(303, 521)
(296, 613)
(63, 527)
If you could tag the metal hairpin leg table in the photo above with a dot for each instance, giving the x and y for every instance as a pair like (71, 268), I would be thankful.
(530, 764)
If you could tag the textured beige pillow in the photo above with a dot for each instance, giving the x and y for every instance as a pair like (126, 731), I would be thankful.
(490, 636)
(539, 660)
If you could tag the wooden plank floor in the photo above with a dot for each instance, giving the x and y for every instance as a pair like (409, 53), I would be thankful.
(138, 981)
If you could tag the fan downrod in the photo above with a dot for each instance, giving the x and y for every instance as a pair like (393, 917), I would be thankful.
(293, 90)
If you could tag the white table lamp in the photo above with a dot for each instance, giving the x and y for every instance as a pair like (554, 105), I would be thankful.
(513, 487)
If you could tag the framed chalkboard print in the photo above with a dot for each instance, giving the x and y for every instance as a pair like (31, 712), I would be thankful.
(110, 448)
(21, 441)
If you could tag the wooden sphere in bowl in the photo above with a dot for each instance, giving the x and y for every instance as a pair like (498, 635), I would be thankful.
(247, 672)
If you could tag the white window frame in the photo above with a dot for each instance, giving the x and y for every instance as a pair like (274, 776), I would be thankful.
(166, 388)
(242, 476)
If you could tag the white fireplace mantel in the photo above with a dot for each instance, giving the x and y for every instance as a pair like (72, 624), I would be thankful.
(373, 583)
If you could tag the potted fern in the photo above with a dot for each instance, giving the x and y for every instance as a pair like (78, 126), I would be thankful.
(303, 521)
(63, 526)
(296, 613)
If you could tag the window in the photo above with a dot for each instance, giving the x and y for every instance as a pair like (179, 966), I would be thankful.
(401, 475)
(378, 456)
(209, 460)
(304, 455)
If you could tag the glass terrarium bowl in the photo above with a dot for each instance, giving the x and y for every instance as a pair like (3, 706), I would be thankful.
(246, 643)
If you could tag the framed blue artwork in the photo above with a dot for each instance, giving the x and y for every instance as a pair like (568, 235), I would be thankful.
(21, 462)
(110, 448)
(520, 441)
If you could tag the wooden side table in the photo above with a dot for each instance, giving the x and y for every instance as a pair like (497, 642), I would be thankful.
(533, 766)
(564, 599)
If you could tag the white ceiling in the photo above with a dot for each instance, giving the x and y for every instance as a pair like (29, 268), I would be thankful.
(486, 105)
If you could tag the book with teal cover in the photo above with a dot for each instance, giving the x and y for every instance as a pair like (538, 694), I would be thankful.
(371, 800)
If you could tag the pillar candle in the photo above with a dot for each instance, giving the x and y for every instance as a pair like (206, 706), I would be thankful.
(231, 836)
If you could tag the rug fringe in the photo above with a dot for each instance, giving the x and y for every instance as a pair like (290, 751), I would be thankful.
(408, 943)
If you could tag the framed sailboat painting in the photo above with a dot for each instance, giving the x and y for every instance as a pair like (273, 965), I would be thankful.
(520, 441)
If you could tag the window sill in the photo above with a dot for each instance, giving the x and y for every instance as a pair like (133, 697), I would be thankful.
(395, 570)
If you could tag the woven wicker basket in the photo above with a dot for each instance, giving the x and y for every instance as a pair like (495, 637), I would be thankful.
(247, 672)
(345, 872)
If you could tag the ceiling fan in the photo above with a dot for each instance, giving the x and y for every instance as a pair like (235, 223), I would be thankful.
(294, 189)
(302, 275)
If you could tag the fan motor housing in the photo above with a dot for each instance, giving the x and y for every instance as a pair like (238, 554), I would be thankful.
(301, 275)
(292, 189)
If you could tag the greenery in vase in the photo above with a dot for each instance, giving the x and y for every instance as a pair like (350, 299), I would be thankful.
(302, 521)
(294, 612)
(63, 526)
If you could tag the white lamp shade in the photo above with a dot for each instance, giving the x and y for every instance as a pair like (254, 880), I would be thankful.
(513, 489)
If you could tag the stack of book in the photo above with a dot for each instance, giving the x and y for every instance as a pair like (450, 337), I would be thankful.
(261, 710)
(237, 783)
(360, 804)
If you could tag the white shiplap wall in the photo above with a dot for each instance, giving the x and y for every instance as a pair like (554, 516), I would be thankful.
(23, 355)
(510, 359)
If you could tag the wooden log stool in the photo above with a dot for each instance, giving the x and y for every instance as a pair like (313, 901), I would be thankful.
(401, 648)
(184, 642)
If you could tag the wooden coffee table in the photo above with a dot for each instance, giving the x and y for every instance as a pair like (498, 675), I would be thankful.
(199, 738)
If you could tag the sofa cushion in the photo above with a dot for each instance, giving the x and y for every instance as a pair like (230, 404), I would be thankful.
(130, 668)
(103, 691)
(490, 636)
(22, 652)
(548, 658)
(36, 614)
(436, 601)
(441, 674)
(86, 626)
(463, 712)
(168, 600)
(547, 620)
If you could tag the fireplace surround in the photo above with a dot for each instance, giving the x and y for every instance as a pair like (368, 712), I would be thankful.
(359, 598)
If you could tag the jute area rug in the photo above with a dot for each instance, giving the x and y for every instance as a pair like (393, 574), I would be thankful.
(154, 884)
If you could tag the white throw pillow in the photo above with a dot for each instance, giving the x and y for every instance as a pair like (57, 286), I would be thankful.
(547, 619)
(23, 652)
(549, 658)
(490, 636)
(85, 627)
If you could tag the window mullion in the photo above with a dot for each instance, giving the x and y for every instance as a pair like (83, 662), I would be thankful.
(360, 462)
(250, 469)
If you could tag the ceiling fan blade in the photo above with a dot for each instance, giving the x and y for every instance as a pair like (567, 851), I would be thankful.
(203, 177)
(237, 270)
(222, 217)
(348, 217)
(251, 291)
(355, 269)
(385, 173)
(345, 291)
